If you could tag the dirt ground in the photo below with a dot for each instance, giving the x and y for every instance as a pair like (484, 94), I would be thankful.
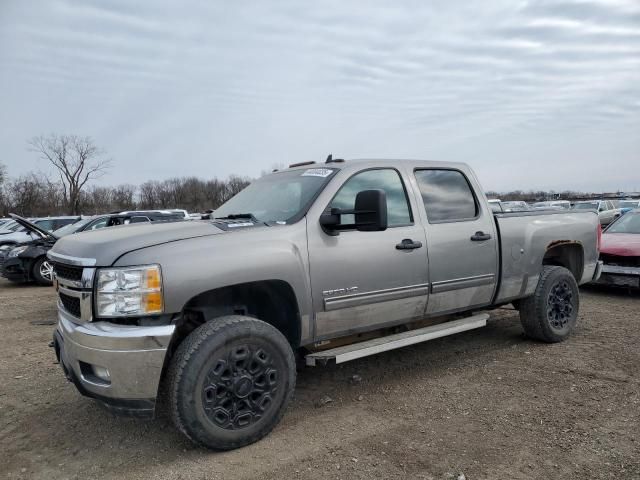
(488, 404)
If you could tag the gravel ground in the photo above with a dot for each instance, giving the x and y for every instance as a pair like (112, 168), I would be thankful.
(488, 404)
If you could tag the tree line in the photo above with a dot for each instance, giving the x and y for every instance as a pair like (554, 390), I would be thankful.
(76, 162)
(542, 195)
(36, 195)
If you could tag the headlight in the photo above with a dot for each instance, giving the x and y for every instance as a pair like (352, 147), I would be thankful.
(129, 291)
(17, 251)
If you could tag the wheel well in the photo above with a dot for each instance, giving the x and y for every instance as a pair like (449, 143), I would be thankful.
(272, 301)
(569, 255)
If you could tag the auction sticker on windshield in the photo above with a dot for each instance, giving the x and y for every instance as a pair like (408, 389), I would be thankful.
(317, 172)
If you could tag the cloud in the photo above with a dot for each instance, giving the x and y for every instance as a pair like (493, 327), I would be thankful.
(531, 94)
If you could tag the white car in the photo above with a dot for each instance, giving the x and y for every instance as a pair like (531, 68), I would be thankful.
(607, 212)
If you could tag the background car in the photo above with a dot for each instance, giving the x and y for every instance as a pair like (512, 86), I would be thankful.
(28, 262)
(620, 251)
(628, 205)
(552, 205)
(53, 223)
(516, 206)
(17, 233)
(494, 203)
(607, 212)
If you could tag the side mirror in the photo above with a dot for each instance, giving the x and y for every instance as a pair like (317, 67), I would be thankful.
(370, 214)
(371, 211)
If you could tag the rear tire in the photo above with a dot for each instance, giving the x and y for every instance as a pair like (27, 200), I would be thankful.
(551, 313)
(42, 272)
(230, 382)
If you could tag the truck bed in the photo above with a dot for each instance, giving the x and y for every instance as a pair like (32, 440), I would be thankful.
(525, 237)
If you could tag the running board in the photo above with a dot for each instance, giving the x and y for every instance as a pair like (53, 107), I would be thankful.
(398, 340)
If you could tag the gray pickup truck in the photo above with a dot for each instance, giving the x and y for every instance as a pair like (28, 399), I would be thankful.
(311, 264)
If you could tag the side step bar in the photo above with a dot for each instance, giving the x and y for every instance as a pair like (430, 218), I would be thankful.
(398, 340)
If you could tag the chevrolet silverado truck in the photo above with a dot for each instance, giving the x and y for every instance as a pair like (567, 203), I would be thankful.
(315, 263)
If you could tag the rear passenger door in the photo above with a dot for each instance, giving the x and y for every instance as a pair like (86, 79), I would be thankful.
(461, 240)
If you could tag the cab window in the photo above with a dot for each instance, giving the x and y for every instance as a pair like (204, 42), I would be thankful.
(387, 179)
(447, 195)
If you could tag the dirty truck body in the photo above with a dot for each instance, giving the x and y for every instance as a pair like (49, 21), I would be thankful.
(213, 313)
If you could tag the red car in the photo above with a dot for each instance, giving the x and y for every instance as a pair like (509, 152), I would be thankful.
(620, 251)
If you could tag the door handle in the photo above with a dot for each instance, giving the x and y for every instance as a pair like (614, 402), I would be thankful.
(408, 244)
(480, 237)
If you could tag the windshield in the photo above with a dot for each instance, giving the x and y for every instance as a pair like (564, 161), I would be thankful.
(71, 228)
(8, 225)
(16, 227)
(279, 197)
(46, 224)
(628, 223)
(629, 204)
(586, 206)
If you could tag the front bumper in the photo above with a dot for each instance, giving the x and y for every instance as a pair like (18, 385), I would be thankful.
(13, 269)
(133, 356)
(620, 276)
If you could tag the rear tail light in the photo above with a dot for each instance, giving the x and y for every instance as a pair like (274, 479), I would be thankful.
(599, 240)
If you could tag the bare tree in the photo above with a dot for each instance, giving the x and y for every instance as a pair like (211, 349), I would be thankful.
(4, 199)
(76, 159)
(33, 194)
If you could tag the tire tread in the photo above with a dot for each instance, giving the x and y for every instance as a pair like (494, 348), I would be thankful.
(532, 314)
(188, 348)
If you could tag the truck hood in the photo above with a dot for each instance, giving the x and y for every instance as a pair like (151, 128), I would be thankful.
(108, 244)
(625, 244)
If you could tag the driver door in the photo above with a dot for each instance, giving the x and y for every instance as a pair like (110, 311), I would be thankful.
(363, 280)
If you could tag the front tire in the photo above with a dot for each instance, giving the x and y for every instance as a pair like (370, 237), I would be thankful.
(42, 272)
(230, 382)
(551, 313)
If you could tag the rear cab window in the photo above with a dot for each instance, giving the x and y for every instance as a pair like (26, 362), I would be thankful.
(447, 195)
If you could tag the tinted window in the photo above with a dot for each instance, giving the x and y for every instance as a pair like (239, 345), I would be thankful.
(447, 195)
(61, 222)
(384, 179)
(628, 223)
(45, 224)
(138, 220)
(100, 223)
(586, 206)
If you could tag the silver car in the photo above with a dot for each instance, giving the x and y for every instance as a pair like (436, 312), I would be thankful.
(607, 211)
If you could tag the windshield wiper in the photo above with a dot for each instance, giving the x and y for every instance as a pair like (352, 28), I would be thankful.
(240, 216)
(235, 216)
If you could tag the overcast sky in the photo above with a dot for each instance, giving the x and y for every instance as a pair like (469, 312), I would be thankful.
(531, 94)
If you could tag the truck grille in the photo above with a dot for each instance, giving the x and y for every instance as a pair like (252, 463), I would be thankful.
(70, 304)
(68, 272)
(619, 260)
